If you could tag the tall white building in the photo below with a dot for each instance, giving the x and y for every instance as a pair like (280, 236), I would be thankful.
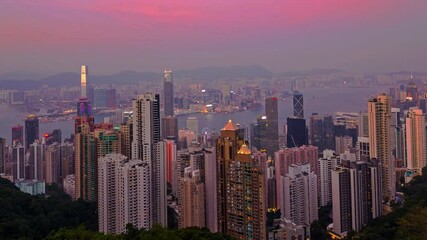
(328, 162)
(159, 183)
(108, 192)
(36, 160)
(300, 195)
(18, 162)
(134, 192)
(124, 190)
(147, 147)
(415, 140)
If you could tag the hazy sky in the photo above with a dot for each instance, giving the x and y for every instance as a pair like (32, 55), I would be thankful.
(112, 35)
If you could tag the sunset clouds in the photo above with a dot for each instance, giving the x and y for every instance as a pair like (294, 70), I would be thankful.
(147, 35)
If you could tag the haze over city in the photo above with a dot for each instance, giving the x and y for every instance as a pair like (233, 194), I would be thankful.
(47, 37)
(214, 119)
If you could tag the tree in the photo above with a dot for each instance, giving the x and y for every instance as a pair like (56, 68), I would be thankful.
(23, 216)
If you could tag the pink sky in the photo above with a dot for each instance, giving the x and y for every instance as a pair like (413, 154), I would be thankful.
(114, 35)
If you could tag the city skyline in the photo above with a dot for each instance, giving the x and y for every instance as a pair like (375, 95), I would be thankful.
(353, 35)
(300, 119)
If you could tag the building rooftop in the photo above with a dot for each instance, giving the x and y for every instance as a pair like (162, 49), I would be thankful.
(230, 126)
(244, 150)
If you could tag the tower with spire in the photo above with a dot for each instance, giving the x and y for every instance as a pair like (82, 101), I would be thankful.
(240, 186)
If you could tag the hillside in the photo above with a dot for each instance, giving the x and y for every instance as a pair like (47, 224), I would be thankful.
(23, 216)
(405, 222)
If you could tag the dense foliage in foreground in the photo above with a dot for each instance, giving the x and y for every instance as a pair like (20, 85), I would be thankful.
(56, 216)
(405, 222)
(155, 233)
(23, 216)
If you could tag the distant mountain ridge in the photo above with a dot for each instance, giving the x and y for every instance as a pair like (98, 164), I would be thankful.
(133, 77)
(23, 80)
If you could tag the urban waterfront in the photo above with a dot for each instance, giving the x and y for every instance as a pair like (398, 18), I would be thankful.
(320, 100)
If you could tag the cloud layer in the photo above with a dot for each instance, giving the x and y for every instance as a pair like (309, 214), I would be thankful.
(113, 35)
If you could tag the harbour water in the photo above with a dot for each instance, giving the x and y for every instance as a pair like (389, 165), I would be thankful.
(320, 100)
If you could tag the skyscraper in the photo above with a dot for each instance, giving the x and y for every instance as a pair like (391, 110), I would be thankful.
(53, 164)
(327, 163)
(296, 132)
(84, 118)
(126, 134)
(169, 159)
(182, 161)
(146, 126)
(85, 152)
(240, 183)
(356, 195)
(298, 103)
(67, 159)
(211, 189)
(272, 123)
(17, 134)
(362, 124)
(36, 161)
(83, 81)
(159, 182)
(124, 193)
(168, 104)
(397, 134)
(85, 145)
(270, 184)
(284, 158)
(328, 132)
(341, 200)
(146, 147)
(107, 141)
(259, 133)
(107, 194)
(191, 200)
(229, 142)
(85, 165)
(170, 127)
(362, 148)
(31, 129)
(89, 146)
(300, 195)
(415, 140)
(18, 162)
(316, 131)
(379, 115)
